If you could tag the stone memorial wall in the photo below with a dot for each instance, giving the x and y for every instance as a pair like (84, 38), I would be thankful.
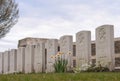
(39, 58)
(52, 50)
(83, 47)
(66, 47)
(6, 62)
(39, 55)
(1, 59)
(29, 51)
(20, 59)
(12, 61)
(105, 54)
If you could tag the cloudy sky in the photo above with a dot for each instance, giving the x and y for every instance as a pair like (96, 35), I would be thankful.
(55, 18)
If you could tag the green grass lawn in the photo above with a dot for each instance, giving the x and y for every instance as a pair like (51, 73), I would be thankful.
(106, 76)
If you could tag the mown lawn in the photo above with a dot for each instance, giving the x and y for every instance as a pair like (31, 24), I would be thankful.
(106, 76)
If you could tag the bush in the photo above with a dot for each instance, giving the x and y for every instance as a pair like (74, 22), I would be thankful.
(91, 68)
(82, 68)
(98, 68)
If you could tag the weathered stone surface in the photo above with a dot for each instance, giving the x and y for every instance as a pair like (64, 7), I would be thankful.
(29, 51)
(5, 62)
(52, 49)
(13, 59)
(31, 41)
(66, 47)
(36, 53)
(20, 59)
(1, 65)
(105, 46)
(83, 47)
(39, 58)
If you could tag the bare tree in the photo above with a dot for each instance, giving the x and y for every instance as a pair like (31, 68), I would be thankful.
(8, 16)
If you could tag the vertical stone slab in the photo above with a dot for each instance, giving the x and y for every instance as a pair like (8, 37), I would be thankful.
(105, 46)
(1, 70)
(12, 55)
(29, 50)
(52, 49)
(5, 62)
(20, 59)
(66, 47)
(83, 48)
(39, 52)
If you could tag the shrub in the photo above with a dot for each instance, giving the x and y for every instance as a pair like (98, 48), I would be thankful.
(82, 68)
(91, 68)
(98, 68)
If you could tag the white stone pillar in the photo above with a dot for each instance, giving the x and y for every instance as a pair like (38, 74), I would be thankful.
(105, 46)
(39, 58)
(20, 60)
(5, 62)
(66, 47)
(83, 48)
(29, 51)
(52, 50)
(1, 65)
(12, 55)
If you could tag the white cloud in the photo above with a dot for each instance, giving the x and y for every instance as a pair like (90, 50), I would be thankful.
(64, 18)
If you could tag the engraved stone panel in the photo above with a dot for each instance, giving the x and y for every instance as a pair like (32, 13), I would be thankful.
(1, 70)
(52, 49)
(12, 55)
(39, 58)
(5, 62)
(83, 47)
(29, 50)
(66, 47)
(20, 59)
(105, 54)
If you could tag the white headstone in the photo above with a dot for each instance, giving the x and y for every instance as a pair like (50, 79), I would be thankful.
(39, 57)
(52, 49)
(29, 50)
(1, 59)
(105, 46)
(83, 48)
(5, 62)
(66, 47)
(20, 60)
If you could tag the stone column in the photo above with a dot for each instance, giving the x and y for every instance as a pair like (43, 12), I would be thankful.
(1, 59)
(83, 48)
(29, 51)
(5, 62)
(52, 49)
(20, 59)
(39, 58)
(105, 54)
(12, 55)
(66, 47)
